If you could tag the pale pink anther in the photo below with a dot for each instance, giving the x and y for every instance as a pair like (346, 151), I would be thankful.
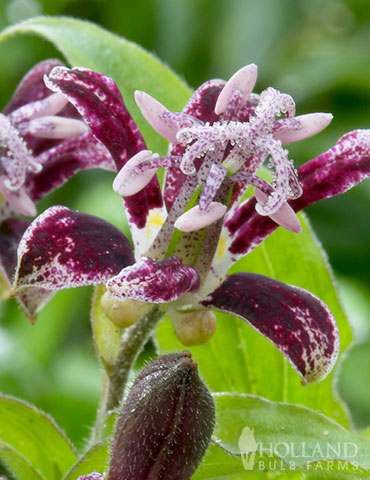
(284, 216)
(310, 125)
(195, 218)
(156, 115)
(243, 81)
(128, 181)
(55, 127)
(50, 105)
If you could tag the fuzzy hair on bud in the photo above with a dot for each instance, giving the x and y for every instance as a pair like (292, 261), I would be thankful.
(165, 424)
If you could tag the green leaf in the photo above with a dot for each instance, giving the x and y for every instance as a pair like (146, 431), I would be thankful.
(94, 460)
(31, 442)
(238, 359)
(17, 464)
(87, 45)
(219, 464)
(287, 436)
(106, 333)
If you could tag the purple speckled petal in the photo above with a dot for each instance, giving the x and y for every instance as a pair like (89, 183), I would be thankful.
(99, 101)
(61, 162)
(11, 231)
(335, 171)
(299, 324)
(32, 86)
(331, 173)
(152, 281)
(63, 249)
(201, 106)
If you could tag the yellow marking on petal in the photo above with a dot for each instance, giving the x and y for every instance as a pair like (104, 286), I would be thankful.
(155, 220)
(221, 247)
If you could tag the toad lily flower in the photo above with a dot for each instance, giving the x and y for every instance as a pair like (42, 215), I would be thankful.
(232, 140)
(218, 143)
(43, 142)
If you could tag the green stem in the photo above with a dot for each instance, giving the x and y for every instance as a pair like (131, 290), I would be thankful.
(132, 343)
(115, 378)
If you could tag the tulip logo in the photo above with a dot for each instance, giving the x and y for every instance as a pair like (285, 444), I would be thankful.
(248, 447)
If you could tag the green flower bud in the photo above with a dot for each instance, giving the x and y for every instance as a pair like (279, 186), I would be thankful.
(194, 328)
(126, 313)
(165, 424)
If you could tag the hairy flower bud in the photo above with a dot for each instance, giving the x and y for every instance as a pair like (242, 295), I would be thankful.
(165, 424)
(194, 328)
(123, 314)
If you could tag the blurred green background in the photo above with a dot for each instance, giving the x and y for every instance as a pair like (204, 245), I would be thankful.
(317, 51)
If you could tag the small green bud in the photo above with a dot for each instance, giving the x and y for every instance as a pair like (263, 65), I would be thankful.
(123, 314)
(194, 328)
(165, 424)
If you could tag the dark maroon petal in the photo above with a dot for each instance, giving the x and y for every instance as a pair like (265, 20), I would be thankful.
(247, 110)
(32, 86)
(247, 228)
(201, 104)
(152, 281)
(11, 231)
(100, 103)
(335, 171)
(299, 324)
(60, 163)
(63, 249)
(331, 173)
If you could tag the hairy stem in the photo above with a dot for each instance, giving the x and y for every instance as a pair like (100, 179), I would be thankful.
(132, 343)
(115, 378)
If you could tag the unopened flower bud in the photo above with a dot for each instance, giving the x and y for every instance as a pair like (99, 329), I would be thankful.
(194, 328)
(123, 314)
(165, 424)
